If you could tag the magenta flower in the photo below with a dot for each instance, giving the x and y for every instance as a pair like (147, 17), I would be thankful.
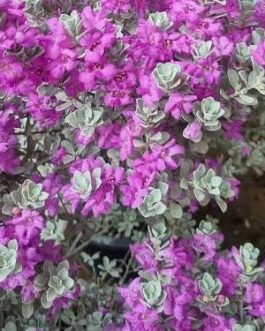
(43, 111)
(25, 227)
(144, 257)
(179, 103)
(223, 46)
(136, 189)
(193, 131)
(255, 293)
(228, 273)
(109, 136)
(117, 6)
(149, 91)
(161, 157)
(217, 323)
(63, 61)
(96, 72)
(255, 297)
(8, 141)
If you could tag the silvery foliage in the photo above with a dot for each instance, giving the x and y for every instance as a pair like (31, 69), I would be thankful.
(149, 116)
(109, 267)
(8, 259)
(160, 19)
(121, 222)
(207, 226)
(184, 226)
(97, 320)
(256, 158)
(27, 310)
(175, 210)
(243, 52)
(34, 11)
(86, 118)
(54, 282)
(168, 76)
(28, 195)
(203, 49)
(247, 5)
(153, 203)
(45, 169)
(86, 182)
(152, 292)
(159, 231)
(247, 86)
(37, 11)
(209, 113)
(207, 185)
(72, 24)
(248, 261)
(210, 287)
(246, 327)
(54, 230)
(210, 2)
(258, 35)
(10, 326)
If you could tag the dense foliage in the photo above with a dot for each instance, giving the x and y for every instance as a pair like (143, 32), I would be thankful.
(122, 119)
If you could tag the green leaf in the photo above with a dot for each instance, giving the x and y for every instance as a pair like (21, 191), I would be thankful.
(160, 19)
(247, 100)
(44, 301)
(175, 210)
(234, 79)
(203, 49)
(72, 23)
(245, 327)
(8, 259)
(27, 310)
(10, 326)
(152, 292)
(210, 286)
(82, 183)
(167, 75)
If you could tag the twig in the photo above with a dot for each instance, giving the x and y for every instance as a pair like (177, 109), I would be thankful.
(75, 242)
(126, 271)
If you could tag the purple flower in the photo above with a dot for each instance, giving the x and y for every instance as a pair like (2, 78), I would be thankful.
(193, 131)
(228, 273)
(216, 322)
(134, 192)
(144, 256)
(96, 71)
(149, 91)
(178, 104)
(223, 46)
(26, 226)
(162, 157)
(255, 293)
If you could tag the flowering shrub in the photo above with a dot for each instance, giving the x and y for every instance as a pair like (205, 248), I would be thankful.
(114, 115)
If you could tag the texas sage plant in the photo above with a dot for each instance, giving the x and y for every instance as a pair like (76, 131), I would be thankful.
(123, 119)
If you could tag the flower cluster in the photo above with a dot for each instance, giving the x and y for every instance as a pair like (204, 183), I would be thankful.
(186, 285)
(23, 253)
